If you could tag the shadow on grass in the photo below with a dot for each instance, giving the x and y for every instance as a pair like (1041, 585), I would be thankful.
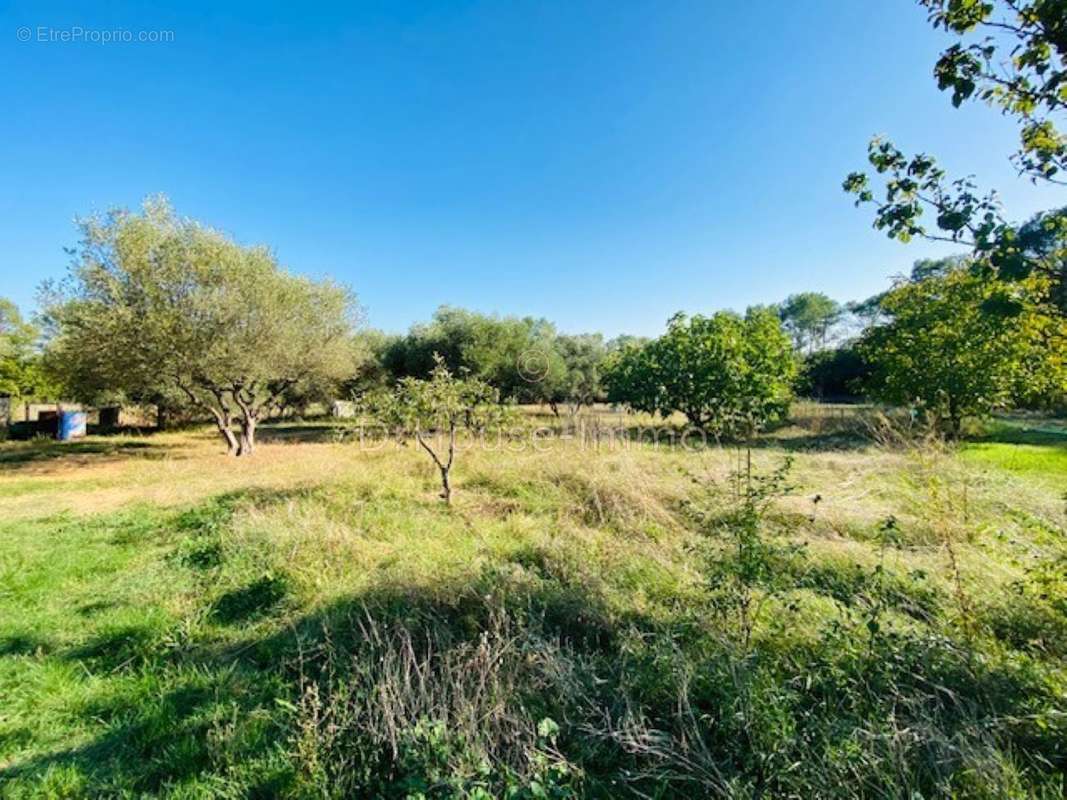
(150, 743)
(96, 607)
(160, 709)
(23, 644)
(251, 601)
(806, 441)
(847, 438)
(325, 431)
(218, 718)
(45, 451)
(682, 438)
(1017, 434)
(115, 649)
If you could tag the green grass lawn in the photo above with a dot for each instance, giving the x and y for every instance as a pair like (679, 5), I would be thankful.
(1038, 452)
(583, 622)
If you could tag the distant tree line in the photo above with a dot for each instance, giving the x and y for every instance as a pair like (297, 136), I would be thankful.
(525, 359)
(159, 310)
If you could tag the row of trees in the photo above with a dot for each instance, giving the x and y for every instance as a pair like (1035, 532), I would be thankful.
(161, 310)
(719, 371)
(525, 359)
(953, 339)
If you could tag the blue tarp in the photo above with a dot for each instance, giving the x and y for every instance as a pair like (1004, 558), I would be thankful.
(71, 425)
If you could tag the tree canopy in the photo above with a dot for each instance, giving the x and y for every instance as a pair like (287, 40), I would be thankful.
(516, 355)
(808, 317)
(726, 373)
(525, 358)
(23, 372)
(960, 344)
(581, 381)
(20, 373)
(158, 304)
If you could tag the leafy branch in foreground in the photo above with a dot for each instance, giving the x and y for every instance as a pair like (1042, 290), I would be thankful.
(1020, 66)
(916, 185)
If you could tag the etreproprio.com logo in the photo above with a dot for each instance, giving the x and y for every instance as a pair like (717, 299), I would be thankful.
(77, 34)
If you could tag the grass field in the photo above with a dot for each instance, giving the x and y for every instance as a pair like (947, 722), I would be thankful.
(584, 620)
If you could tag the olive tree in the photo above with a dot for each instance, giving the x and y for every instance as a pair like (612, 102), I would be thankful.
(517, 356)
(369, 372)
(155, 303)
(580, 382)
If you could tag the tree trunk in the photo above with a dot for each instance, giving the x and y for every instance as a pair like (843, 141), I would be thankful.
(955, 419)
(231, 440)
(162, 414)
(220, 412)
(222, 422)
(249, 416)
(446, 485)
(248, 436)
(445, 467)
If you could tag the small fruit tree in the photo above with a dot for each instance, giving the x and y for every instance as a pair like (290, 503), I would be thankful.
(436, 409)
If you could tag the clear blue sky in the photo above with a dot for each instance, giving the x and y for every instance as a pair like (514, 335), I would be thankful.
(603, 164)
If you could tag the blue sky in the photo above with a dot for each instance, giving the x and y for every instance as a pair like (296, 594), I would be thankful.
(603, 164)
